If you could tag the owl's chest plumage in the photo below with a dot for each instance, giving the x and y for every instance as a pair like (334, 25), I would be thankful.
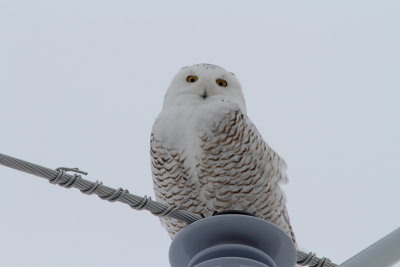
(211, 158)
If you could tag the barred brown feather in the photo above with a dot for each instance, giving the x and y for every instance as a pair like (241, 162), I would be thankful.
(234, 169)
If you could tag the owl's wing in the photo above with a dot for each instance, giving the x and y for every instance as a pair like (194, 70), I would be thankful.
(173, 183)
(276, 174)
(240, 170)
(275, 164)
(232, 133)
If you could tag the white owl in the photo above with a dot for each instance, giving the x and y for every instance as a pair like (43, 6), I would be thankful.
(207, 156)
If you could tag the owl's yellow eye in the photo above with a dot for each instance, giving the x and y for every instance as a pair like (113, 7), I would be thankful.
(222, 82)
(191, 78)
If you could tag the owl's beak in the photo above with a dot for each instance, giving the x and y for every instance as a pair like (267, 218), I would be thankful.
(206, 88)
(205, 94)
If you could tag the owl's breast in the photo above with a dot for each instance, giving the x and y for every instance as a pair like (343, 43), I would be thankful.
(181, 126)
(192, 129)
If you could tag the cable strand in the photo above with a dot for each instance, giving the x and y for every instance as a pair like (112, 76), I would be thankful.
(62, 178)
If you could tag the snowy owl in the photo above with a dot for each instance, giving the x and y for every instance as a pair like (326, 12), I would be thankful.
(208, 157)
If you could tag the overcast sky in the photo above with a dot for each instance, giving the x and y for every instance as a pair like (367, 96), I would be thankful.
(81, 83)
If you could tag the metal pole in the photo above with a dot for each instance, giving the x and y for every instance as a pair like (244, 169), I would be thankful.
(383, 253)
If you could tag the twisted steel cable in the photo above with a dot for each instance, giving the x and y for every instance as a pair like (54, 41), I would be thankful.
(62, 178)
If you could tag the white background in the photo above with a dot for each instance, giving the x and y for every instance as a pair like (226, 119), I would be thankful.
(81, 83)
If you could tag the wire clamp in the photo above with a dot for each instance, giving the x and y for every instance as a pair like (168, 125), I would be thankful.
(71, 181)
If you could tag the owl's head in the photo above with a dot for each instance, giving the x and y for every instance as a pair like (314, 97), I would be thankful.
(203, 83)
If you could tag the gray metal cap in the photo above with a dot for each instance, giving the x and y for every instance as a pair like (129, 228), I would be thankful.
(232, 241)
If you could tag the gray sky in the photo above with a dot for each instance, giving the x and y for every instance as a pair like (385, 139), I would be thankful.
(81, 83)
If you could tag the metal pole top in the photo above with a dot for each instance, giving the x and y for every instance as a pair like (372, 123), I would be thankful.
(232, 240)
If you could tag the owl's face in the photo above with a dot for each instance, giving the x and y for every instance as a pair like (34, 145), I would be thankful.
(203, 83)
